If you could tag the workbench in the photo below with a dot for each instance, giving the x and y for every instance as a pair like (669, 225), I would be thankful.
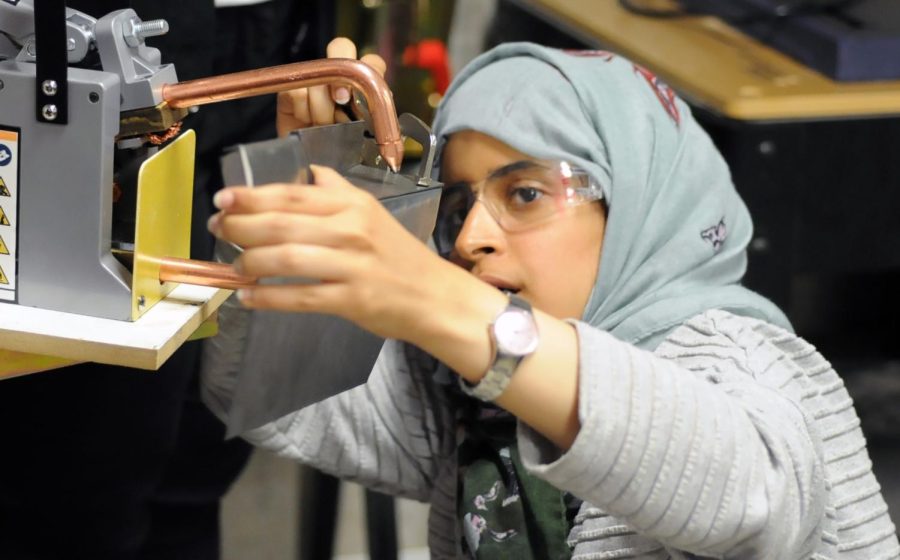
(33, 340)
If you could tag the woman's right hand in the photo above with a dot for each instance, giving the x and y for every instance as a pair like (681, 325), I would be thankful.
(316, 106)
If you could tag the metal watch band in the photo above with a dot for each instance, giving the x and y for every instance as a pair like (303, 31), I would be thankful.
(504, 365)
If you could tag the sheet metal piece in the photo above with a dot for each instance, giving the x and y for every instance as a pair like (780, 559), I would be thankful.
(163, 219)
(289, 360)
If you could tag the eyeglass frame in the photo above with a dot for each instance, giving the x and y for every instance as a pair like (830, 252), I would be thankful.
(473, 193)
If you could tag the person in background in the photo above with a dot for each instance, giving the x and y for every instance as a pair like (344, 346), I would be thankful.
(582, 374)
(103, 462)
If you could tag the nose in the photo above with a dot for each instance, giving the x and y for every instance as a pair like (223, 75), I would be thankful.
(480, 234)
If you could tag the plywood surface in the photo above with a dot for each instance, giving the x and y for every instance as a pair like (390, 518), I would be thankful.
(145, 343)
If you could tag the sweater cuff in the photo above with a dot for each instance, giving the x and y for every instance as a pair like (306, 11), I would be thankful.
(542, 457)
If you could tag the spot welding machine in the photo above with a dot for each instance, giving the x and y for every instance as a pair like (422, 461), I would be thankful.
(96, 182)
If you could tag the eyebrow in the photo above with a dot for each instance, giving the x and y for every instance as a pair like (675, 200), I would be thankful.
(502, 171)
(513, 167)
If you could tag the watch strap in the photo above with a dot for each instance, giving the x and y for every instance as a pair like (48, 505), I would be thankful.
(503, 365)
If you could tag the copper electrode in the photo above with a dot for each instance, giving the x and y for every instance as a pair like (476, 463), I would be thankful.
(274, 79)
(202, 273)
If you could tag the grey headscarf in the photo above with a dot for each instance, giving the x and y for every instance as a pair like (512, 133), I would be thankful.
(677, 231)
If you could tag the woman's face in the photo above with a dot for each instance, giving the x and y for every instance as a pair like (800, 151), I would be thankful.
(554, 264)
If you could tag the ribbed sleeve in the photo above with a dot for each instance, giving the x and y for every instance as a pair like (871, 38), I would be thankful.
(735, 439)
(719, 444)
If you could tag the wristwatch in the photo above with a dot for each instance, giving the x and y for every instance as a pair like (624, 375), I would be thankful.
(514, 336)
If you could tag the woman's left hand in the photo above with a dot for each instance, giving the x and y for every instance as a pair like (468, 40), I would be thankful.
(369, 268)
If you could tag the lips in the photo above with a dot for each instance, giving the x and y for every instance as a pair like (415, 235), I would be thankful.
(500, 284)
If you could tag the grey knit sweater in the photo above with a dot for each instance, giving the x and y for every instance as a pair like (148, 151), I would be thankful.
(734, 439)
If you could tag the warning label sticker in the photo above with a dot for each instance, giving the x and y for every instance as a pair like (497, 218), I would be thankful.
(9, 208)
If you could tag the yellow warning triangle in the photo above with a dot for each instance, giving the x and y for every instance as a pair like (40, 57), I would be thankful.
(4, 221)
(3, 249)
(3, 278)
(4, 190)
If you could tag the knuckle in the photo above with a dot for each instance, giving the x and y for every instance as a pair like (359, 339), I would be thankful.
(293, 257)
(281, 226)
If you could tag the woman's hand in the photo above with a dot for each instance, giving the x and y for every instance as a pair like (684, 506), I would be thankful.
(315, 106)
(368, 267)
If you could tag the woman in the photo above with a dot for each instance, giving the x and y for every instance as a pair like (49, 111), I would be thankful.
(679, 417)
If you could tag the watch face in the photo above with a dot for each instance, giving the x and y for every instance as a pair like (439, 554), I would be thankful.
(516, 333)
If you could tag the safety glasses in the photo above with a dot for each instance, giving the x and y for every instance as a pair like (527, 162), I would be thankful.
(518, 196)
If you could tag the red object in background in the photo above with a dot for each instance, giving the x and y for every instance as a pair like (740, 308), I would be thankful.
(431, 55)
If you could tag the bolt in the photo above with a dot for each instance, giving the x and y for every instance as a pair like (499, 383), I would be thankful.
(136, 30)
(50, 112)
(50, 87)
(767, 147)
(70, 44)
(142, 301)
(30, 48)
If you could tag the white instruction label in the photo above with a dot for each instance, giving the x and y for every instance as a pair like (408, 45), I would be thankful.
(9, 208)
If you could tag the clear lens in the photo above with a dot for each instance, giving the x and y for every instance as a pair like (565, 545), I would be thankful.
(518, 196)
(532, 194)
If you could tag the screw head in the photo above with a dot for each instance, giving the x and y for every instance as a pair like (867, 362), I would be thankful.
(49, 87)
(50, 112)
(142, 301)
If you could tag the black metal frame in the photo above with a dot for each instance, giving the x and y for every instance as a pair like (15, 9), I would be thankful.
(52, 60)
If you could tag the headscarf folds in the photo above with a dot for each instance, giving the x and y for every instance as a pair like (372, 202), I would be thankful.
(677, 231)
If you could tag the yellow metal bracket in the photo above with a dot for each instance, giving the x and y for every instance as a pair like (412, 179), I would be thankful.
(163, 219)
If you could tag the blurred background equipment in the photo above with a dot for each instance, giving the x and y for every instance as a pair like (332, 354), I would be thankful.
(847, 40)
(411, 36)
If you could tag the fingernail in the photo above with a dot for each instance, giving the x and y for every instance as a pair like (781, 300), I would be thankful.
(223, 199)
(213, 224)
(342, 96)
(244, 295)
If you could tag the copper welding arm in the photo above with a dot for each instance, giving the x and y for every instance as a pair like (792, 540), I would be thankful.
(202, 273)
(302, 74)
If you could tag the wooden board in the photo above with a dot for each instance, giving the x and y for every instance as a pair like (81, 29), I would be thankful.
(67, 338)
(715, 66)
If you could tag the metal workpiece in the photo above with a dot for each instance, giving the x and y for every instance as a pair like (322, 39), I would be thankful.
(275, 79)
(286, 361)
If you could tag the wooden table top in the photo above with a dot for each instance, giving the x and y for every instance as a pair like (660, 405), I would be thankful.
(715, 66)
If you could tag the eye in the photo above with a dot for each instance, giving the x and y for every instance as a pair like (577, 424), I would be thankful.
(524, 194)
